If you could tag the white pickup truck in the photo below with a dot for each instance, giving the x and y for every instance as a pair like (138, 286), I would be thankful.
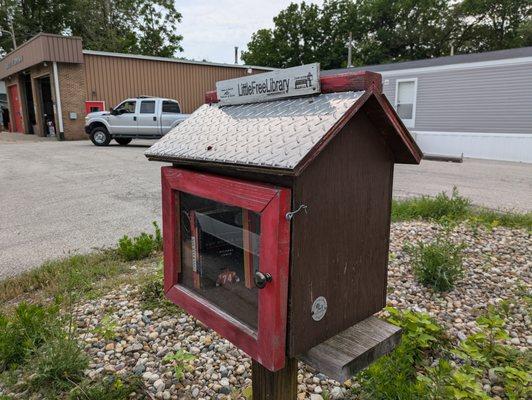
(136, 118)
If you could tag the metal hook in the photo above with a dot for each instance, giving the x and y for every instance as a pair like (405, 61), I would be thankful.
(290, 215)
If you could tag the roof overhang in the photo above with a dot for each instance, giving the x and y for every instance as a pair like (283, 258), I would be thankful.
(44, 47)
(370, 100)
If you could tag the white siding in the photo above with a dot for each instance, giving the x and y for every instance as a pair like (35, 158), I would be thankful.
(455, 107)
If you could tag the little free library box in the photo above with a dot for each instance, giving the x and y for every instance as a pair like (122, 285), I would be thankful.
(276, 210)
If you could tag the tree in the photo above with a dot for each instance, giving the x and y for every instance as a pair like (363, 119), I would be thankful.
(127, 26)
(30, 17)
(494, 25)
(294, 40)
(389, 31)
(401, 30)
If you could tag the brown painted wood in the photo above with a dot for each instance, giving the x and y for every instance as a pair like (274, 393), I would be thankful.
(340, 246)
(280, 385)
(352, 350)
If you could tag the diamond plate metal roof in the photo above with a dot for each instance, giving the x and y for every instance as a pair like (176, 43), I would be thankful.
(276, 134)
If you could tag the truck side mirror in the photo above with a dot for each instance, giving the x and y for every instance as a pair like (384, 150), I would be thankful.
(112, 111)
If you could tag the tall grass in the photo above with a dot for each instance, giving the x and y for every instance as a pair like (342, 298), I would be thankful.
(455, 208)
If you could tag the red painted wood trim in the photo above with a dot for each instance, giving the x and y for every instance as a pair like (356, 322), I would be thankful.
(268, 344)
(252, 196)
(274, 258)
(351, 81)
(211, 97)
(171, 235)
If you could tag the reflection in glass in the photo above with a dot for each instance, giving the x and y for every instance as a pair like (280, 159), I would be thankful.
(220, 255)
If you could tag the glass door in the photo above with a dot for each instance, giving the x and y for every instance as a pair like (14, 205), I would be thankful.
(226, 254)
(220, 255)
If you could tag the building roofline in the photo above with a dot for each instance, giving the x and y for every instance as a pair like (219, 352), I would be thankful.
(40, 34)
(497, 57)
(176, 60)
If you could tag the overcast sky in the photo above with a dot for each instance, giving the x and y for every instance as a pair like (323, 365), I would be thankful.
(212, 28)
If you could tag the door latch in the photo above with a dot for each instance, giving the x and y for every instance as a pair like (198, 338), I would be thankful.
(261, 279)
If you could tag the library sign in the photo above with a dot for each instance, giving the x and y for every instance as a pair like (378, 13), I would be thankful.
(274, 85)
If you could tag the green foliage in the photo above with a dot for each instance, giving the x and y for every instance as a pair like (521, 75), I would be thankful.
(106, 328)
(152, 292)
(58, 365)
(76, 274)
(437, 264)
(394, 376)
(453, 209)
(23, 332)
(128, 26)
(517, 382)
(426, 366)
(140, 246)
(493, 219)
(181, 362)
(449, 381)
(111, 388)
(388, 31)
(33, 339)
(438, 208)
(487, 25)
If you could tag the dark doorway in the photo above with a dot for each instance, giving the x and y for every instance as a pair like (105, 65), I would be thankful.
(47, 107)
(30, 107)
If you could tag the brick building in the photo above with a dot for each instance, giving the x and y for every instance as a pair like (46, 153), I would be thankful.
(51, 83)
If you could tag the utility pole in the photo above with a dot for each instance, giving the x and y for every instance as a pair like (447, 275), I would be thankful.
(349, 46)
(236, 54)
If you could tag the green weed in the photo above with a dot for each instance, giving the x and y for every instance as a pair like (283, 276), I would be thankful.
(111, 388)
(57, 366)
(425, 365)
(393, 377)
(23, 332)
(152, 292)
(438, 264)
(435, 208)
(181, 362)
(106, 328)
(456, 208)
(140, 246)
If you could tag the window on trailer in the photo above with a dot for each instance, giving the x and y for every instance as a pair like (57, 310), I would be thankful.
(405, 100)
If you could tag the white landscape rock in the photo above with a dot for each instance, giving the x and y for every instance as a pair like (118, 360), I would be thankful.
(498, 266)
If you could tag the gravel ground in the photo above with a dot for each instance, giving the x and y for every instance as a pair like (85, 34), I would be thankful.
(498, 266)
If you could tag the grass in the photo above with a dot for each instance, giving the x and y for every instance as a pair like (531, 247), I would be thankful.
(39, 352)
(23, 332)
(438, 264)
(455, 208)
(111, 388)
(79, 273)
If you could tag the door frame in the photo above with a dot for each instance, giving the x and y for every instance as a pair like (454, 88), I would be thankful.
(266, 344)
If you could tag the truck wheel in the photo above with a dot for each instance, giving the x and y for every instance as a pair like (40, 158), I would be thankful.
(123, 141)
(99, 136)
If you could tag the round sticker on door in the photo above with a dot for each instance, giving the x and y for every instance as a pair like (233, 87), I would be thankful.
(319, 308)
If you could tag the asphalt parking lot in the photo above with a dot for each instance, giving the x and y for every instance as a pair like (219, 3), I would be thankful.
(58, 198)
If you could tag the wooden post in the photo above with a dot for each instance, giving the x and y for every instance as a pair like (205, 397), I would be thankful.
(280, 385)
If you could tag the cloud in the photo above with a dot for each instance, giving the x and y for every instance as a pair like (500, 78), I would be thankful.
(212, 28)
